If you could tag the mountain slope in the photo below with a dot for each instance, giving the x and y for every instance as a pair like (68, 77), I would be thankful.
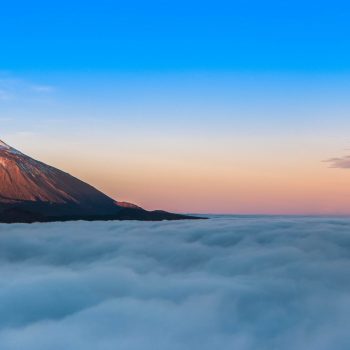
(33, 191)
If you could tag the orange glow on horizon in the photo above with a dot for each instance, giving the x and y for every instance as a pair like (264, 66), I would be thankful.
(272, 181)
(223, 189)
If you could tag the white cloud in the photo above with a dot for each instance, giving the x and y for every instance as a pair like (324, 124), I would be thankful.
(43, 88)
(226, 283)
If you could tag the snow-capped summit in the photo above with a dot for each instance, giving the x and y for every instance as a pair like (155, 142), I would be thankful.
(33, 191)
(4, 145)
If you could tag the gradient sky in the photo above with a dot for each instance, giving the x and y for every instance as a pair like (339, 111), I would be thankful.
(189, 106)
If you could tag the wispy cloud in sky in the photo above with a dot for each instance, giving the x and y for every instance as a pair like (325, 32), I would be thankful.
(16, 88)
(43, 88)
(339, 162)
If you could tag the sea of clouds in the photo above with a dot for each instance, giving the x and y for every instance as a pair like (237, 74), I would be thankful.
(242, 283)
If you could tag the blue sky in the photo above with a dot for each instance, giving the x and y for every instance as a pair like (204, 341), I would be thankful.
(225, 106)
(308, 36)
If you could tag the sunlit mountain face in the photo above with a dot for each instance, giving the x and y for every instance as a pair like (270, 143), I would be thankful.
(33, 191)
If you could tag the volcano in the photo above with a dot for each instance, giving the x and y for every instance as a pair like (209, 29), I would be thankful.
(32, 191)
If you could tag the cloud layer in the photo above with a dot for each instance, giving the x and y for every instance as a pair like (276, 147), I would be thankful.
(226, 283)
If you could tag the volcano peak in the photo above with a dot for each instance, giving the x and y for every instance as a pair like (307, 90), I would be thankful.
(5, 147)
(34, 191)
